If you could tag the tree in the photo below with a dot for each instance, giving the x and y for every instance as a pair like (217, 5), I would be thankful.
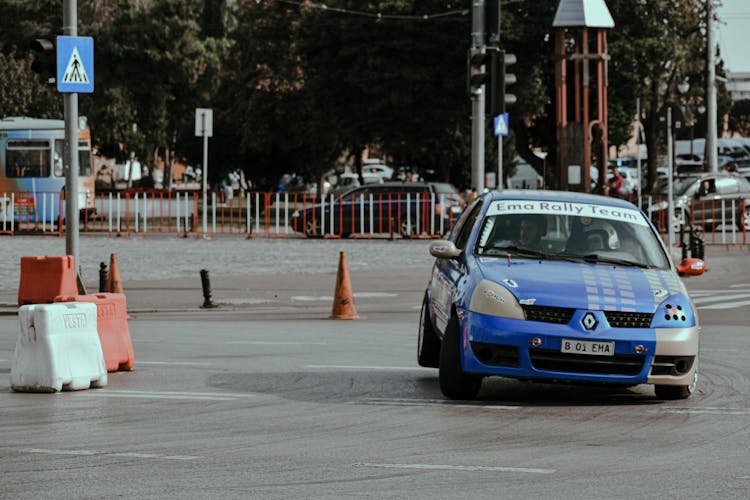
(739, 118)
(654, 46)
(391, 78)
(158, 71)
(22, 93)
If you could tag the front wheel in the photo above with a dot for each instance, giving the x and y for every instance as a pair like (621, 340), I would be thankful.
(677, 391)
(428, 344)
(454, 382)
(408, 227)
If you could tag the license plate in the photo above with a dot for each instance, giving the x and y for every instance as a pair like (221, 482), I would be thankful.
(588, 347)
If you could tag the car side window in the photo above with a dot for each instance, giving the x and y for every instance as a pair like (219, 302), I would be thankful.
(465, 225)
(726, 186)
(354, 195)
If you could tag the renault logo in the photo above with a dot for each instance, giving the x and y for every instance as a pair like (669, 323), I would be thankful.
(589, 321)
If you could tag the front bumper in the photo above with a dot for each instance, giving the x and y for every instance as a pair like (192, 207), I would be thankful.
(532, 350)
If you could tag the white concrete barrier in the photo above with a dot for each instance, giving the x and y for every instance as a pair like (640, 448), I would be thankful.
(58, 348)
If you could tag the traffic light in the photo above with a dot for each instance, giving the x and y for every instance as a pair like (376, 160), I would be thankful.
(45, 59)
(500, 78)
(477, 73)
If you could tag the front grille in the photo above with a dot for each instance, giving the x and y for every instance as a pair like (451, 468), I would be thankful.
(622, 319)
(672, 365)
(545, 314)
(495, 354)
(555, 361)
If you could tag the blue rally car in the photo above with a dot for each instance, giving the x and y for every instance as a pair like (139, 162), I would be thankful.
(557, 286)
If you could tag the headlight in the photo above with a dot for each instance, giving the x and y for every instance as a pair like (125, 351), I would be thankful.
(674, 312)
(494, 299)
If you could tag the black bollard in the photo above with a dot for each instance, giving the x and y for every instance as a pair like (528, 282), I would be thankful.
(207, 302)
(102, 277)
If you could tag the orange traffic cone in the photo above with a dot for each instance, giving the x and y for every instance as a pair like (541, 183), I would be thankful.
(114, 283)
(343, 300)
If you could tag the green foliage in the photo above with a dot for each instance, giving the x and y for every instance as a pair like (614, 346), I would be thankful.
(739, 118)
(22, 93)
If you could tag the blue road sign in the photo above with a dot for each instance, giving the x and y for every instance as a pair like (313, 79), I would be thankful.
(501, 124)
(75, 64)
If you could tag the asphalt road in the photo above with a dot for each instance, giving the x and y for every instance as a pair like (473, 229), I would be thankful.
(263, 397)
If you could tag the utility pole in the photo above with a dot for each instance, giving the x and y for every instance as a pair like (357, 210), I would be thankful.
(478, 100)
(711, 156)
(70, 102)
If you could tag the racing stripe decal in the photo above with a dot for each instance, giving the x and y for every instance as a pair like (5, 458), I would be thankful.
(608, 289)
(663, 280)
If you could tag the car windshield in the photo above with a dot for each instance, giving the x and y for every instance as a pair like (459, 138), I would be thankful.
(569, 231)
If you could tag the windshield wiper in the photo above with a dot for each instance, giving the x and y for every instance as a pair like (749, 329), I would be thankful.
(523, 252)
(601, 259)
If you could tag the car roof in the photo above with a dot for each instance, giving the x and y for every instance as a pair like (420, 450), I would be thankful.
(562, 196)
(701, 175)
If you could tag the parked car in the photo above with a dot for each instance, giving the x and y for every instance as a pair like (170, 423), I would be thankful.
(590, 295)
(704, 199)
(406, 208)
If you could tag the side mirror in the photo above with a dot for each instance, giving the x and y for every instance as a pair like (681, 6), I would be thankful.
(444, 249)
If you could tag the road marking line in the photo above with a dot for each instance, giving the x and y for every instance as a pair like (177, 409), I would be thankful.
(260, 342)
(722, 298)
(176, 363)
(200, 396)
(470, 468)
(704, 411)
(434, 402)
(727, 305)
(60, 452)
(103, 453)
(357, 295)
(365, 367)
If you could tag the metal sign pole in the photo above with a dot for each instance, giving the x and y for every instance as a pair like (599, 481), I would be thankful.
(638, 148)
(205, 175)
(477, 102)
(204, 127)
(500, 185)
(70, 101)
(670, 200)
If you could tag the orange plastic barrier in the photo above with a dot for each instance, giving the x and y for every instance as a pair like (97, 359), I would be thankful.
(112, 326)
(43, 278)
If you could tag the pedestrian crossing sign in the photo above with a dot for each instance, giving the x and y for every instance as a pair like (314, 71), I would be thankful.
(75, 64)
(501, 124)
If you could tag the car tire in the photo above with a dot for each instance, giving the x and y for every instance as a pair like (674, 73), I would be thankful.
(408, 228)
(428, 344)
(454, 382)
(312, 230)
(677, 391)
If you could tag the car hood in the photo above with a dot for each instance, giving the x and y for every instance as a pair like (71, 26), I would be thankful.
(582, 285)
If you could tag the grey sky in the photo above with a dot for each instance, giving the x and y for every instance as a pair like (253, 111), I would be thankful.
(733, 31)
